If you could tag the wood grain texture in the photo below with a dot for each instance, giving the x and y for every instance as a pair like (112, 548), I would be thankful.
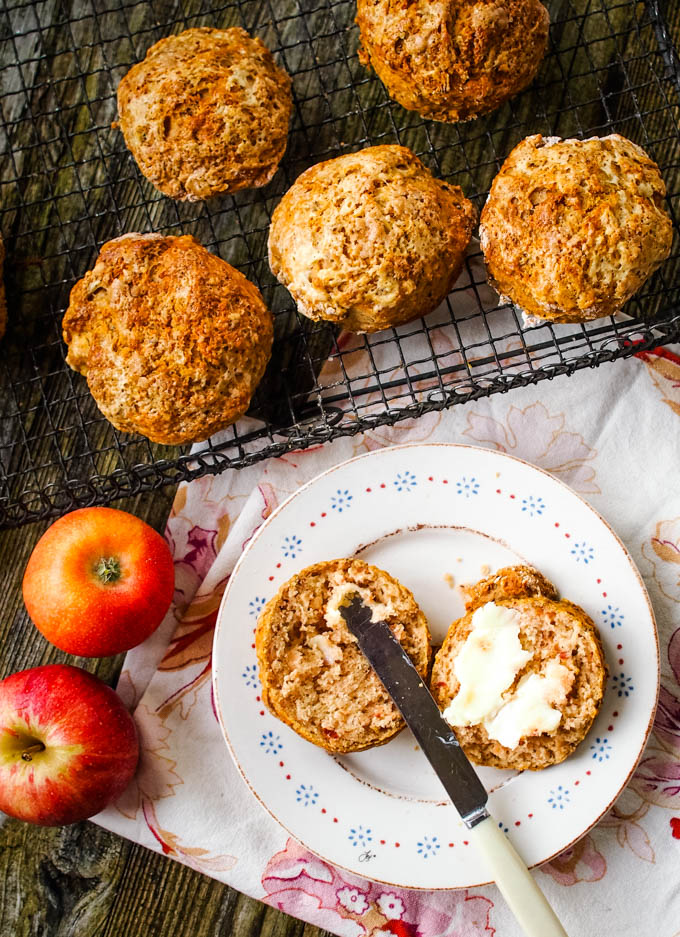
(82, 881)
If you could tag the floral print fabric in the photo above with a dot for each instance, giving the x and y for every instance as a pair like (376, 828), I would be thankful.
(613, 434)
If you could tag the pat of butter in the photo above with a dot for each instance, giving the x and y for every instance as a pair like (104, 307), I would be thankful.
(529, 710)
(339, 595)
(486, 665)
(331, 652)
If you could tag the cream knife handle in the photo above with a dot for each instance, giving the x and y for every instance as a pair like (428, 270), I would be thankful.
(525, 899)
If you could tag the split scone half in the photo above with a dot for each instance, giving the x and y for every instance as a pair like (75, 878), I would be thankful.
(521, 676)
(314, 676)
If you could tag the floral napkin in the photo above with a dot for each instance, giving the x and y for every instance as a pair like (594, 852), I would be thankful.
(612, 434)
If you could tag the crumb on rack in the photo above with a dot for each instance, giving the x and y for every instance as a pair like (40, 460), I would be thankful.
(449, 580)
(485, 569)
(460, 559)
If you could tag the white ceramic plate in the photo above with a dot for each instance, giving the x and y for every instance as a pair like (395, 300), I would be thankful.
(427, 513)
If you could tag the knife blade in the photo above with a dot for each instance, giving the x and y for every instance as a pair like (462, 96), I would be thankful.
(442, 749)
(416, 704)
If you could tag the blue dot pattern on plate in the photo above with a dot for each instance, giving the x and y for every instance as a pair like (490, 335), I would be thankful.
(271, 743)
(601, 749)
(256, 605)
(533, 506)
(360, 836)
(622, 685)
(467, 486)
(291, 546)
(341, 500)
(501, 826)
(559, 798)
(306, 795)
(613, 616)
(405, 481)
(428, 846)
(250, 676)
(582, 553)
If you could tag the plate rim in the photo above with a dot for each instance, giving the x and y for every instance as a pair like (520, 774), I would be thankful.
(371, 454)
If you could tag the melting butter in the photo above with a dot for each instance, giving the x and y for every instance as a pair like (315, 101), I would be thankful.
(486, 665)
(529, 711)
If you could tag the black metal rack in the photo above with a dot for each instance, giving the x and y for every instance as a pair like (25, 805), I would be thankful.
(67, 184)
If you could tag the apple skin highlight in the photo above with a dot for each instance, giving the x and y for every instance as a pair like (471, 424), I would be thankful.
(68, 745)
(98, 582)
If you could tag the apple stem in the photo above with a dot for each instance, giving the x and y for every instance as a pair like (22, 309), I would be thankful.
(28, 753)
(108, 569)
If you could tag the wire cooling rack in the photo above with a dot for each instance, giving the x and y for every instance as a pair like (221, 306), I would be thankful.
(67, 184)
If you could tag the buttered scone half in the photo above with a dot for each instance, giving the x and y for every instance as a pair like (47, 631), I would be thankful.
(314, 676)
(370, 240)
(520, 677)
(455, 59)
(572, 228)
(206, 112)
(172, 339)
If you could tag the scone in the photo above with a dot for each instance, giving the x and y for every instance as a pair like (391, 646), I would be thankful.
(572, 228)
(314, 676)
(521, 676)
(206, 112)
(3, 301)
(370, 240)
(172, 340)
(455, 59)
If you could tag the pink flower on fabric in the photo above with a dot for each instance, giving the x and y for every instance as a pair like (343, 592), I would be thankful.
(390, 905)
(300, 883)
(579, 863)
(352, 900)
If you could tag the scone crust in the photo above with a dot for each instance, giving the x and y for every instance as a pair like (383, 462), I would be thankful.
(172, 340)
(370, 240)
(550, 628)
(3, 301)
(510, 582)
(367, 715)
(455, 59)
(206, 112)
(572, 228)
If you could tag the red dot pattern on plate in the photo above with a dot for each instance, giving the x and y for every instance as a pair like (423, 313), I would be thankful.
(513, 497)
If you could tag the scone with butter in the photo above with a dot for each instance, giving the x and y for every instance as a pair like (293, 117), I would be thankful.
(521, 676)
(314, 676)
(572, 228)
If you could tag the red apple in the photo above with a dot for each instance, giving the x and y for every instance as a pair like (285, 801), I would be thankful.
(68, 746)
(98, 582)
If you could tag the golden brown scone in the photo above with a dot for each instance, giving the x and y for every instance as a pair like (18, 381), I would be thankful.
(206, 112)
(572, 228)
(550, 629)
(508, 583)
(314, 676)
(455, 59)
(3, 302)
(172, 340)
(370, 240)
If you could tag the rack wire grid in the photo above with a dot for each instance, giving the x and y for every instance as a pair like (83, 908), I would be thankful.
(67, 184)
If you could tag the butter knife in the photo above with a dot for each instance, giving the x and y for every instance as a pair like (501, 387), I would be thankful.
(459, 779)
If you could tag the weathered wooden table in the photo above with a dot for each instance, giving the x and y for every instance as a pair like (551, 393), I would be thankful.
(79, 881)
